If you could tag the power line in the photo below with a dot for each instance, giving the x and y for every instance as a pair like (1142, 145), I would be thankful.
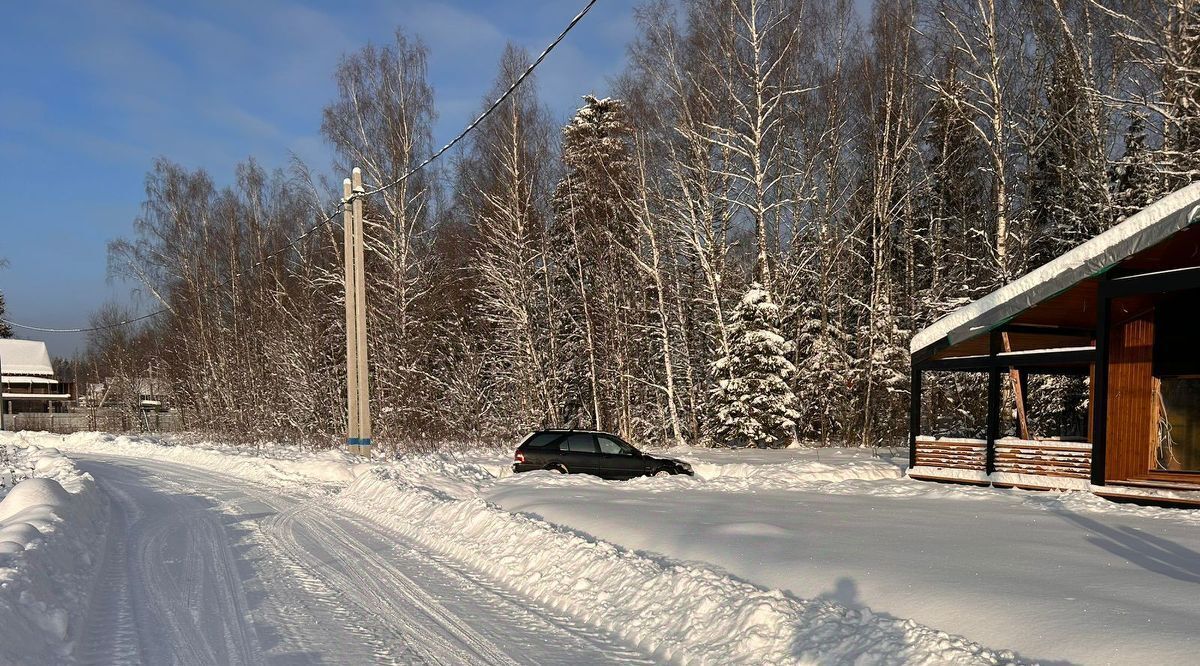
(84, 330)
(499, 100)
(387, 186)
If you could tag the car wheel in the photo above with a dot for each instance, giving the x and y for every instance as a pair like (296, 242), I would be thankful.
(561, 469)
(663, 472)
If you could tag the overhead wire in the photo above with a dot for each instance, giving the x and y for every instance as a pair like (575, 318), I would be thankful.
(386, 186)
(488, 111)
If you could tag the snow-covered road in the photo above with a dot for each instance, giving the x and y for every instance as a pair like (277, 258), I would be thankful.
(201, 568)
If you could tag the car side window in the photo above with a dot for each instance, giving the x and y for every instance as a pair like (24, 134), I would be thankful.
(581, 443)
(613, 447)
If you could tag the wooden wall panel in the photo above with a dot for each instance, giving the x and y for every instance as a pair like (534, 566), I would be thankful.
(1131, 427)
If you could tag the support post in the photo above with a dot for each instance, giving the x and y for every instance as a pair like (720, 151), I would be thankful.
(1, 394)
(1018, 387)
(914, 415)
(352, 433)
(993, 407)
(1099, 390)
(360, 306)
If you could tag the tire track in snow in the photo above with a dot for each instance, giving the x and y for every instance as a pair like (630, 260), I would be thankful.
(379, 589)
(323, 584)
(111, 636)
(169, 591)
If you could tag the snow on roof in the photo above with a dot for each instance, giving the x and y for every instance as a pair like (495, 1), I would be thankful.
(25, 357)
(18, 379)
(1148, 227)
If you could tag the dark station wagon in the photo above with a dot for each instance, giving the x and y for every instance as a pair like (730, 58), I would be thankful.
(590, 452)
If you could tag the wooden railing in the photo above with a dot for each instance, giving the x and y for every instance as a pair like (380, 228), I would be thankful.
(1013, 456)
(956, 453)
(1044, 457)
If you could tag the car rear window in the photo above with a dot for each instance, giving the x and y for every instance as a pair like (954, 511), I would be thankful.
(541, 439)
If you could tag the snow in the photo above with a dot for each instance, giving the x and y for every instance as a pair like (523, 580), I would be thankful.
(1040, 481)
(1054, 576)
(957, 440)
(11, 379)
(769, 556)
(1151, 225)
(1013, 442)
(25, 357)
(678, 610)
(50, 528)
(1027, 352)
(949, 473)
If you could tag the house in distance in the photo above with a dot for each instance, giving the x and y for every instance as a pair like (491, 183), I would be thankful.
(1122, 310)
(28, 381)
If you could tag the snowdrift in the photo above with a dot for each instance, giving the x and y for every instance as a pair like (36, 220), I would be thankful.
(681, 611)
(684, 612)
(51, 538)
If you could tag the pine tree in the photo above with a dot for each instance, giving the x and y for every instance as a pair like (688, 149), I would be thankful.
(1067, 189)
(1132, 180)
(954, 205)
(593, 230)
(5, 329)
(755, 403)
(887, 370)
(828, 377)
(1180, 66)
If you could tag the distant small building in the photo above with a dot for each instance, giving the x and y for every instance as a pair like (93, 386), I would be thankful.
(28, 381)
(147, 394)
(1120, 310)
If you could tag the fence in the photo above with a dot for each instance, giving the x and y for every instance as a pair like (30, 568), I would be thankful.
(100, 421)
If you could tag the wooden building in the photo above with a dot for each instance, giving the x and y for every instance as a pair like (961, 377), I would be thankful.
(1122, 310)
(27, 381)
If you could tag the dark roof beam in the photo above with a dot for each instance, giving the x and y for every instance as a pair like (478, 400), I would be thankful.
(1159, 282)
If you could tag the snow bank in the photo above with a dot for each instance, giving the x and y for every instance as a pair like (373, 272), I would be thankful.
(51, 529)
(271, 465)
(687, 612)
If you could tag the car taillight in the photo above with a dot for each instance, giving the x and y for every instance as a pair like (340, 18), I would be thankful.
(519, 457)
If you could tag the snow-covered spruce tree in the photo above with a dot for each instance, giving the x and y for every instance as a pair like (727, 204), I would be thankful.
(5, 329)
(826, 377)
(1132, 179)
(592, 232)
(1068, 202)
(885, 374)
(755, 404)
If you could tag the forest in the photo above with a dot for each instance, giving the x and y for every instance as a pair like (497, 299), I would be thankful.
(732, 245)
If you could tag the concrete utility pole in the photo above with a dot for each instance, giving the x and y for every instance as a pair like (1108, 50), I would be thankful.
(358, 403)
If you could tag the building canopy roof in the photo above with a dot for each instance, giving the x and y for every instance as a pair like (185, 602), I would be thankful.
(1150, 226)
(25, 357)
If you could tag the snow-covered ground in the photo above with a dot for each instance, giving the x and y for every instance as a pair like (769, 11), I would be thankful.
(51, 522)
(1055, 577)
(822, 556)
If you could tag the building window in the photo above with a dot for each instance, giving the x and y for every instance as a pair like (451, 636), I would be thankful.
(1177, 383)
(1179, 424)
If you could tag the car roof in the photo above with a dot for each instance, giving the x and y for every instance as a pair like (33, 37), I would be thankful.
(579, 430)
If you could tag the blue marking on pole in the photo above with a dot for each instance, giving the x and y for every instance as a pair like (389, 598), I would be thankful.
(365, 441)
(352, 441)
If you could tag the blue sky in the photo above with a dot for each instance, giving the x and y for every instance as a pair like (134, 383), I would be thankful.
(94, 91)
